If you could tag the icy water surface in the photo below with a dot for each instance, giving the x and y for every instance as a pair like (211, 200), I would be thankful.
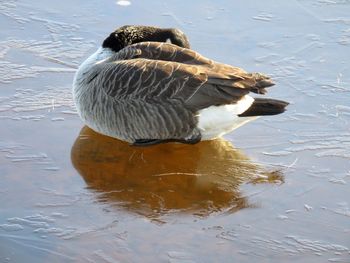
(276, 190)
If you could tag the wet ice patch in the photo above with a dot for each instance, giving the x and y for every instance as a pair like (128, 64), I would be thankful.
(40, 224)
(323, 144)
(123, 3)
(21, 154)
(57, 51)
(306, 69)
(8, 8)
(295, 245)
(11, 227)
(64, 50)
(341, 209)
(64, 56)
(264, 17)
(12, 71)
(315, 246)
(28, 222)
(24, 102)
(180, 256)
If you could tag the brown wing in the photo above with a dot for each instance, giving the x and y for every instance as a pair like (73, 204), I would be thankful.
(144, 78)
(219, 73)
(223, 83)
(150, 97)
(163, 96)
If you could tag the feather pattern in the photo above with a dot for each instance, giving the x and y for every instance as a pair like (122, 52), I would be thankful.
(156, 90)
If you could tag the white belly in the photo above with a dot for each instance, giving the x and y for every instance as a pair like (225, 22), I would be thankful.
(216, 121)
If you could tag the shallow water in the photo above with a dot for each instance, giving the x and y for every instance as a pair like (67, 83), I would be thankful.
(275, 190)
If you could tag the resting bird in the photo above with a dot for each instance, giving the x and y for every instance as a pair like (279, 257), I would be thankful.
(142, 89)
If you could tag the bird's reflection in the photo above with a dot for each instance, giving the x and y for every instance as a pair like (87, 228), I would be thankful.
(198, 179)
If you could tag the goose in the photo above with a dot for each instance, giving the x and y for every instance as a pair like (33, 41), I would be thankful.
(145, 86)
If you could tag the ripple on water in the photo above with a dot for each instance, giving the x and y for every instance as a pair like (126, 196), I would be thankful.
(9, 8)
(52, 99)
(324, 144)
(20, 154)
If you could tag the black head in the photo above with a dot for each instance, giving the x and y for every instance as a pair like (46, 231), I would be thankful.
(128, 35)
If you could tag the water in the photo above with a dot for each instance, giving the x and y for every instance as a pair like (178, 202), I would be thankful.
(276, 190)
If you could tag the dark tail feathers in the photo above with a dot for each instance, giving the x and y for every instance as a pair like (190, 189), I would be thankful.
(262, 106)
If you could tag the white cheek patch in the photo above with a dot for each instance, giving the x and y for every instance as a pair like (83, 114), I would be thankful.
(168, 40)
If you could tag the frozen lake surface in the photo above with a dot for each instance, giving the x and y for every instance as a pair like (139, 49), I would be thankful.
(275, 190)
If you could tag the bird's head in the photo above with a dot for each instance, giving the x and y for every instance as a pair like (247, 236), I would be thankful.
(128, 35)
